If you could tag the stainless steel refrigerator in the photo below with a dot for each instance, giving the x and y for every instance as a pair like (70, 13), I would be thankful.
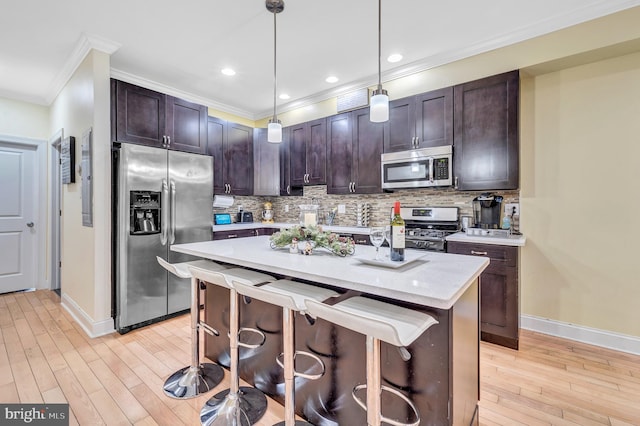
(161, 197)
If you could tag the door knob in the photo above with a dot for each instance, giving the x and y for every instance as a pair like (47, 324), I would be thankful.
(30, 224)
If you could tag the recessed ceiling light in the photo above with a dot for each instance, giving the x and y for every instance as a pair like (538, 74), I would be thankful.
(284, 96)
(228, 71)
(396, 57)
(331, 79)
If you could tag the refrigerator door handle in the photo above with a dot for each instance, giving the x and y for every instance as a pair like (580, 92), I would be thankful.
(165, 212)
(172, 235)
(172, 203)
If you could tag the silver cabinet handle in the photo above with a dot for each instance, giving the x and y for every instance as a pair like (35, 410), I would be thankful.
(417, 142)
(413, 142)
(168, 140)
(288, 189)
(479, 253)
(165, 212)
(455, 184)
(229, 185)
(30, 224)
(172, 235)
(232, 236)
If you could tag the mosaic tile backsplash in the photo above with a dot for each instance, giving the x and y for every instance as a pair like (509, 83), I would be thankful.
(380, 204)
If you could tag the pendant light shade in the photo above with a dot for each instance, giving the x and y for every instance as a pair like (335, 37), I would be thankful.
(274, 132)
(379, 106)
(274, 129)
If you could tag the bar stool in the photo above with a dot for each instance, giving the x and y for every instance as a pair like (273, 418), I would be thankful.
(197, 378)
(378, 321)
(237, 405)
(291, 296)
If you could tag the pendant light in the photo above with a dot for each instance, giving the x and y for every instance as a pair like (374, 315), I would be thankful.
(379, 108)
(274, 130)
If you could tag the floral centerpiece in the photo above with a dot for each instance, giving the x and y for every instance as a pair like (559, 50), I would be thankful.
(307, 238)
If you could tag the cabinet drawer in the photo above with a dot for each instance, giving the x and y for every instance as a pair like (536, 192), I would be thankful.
(240, 233)
(505, 255)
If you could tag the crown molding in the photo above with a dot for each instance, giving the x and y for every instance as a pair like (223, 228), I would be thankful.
(159, 87)
(85, 44)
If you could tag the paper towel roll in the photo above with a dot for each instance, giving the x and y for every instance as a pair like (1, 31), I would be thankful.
(222, 201)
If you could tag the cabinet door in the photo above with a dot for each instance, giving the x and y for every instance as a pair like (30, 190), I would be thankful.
(238, 159)
(368, 141)
(285, 166)
(317, 152)
(215, 141)
(140, 115)
(266, 164)
(499, 305)
(399, 131)
(240, 233)
(298, 154)
(339, 154)
(186, 126)
(486, 133)
(434, 118)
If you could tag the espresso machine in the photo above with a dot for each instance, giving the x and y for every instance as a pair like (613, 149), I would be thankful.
(486, 210)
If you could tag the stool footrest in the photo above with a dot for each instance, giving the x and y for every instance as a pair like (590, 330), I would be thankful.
(304, 375)
(250, 330)
(208, 329)
(395, 392)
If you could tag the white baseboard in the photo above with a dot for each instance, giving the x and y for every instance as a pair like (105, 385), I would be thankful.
(592, 336)
(91, 327)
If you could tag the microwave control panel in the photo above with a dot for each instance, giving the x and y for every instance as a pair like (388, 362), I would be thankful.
(441, 168)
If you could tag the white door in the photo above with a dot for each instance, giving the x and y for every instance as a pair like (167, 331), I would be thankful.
(17, 217)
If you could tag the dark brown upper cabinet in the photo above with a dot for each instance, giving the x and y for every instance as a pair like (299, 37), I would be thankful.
(420, 121)
(146, 117)
(231, 146)
(286, 188)
(308, 153)
(354, 146)
(485, 154)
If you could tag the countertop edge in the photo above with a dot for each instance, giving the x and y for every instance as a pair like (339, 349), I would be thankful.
(513, 240)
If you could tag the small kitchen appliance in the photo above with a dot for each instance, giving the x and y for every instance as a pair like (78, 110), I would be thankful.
(427, 227)
(486, 211)
(244, 217)
(267, 213)
(417, 168)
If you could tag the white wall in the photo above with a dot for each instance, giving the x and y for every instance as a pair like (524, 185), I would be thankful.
(24, 119)
(85, 275)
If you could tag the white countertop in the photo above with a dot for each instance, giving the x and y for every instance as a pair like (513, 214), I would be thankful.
(436, 279)
(256, 225)
(511, 240)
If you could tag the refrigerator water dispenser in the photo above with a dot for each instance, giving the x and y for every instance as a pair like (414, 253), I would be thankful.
(144, 213)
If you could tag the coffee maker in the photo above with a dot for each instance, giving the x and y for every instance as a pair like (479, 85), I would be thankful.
(486, 210)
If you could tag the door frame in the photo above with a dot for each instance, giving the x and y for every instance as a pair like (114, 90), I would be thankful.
(43, 229)
(55, 208)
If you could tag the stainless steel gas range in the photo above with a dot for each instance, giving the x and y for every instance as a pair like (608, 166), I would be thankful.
(427, 227)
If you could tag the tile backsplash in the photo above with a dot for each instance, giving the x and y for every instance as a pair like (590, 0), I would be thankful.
(380, 204)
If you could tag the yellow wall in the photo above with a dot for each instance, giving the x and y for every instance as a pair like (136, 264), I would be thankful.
(24, 119)
(580, 194)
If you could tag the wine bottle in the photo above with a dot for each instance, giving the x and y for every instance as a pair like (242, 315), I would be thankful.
(397, 235)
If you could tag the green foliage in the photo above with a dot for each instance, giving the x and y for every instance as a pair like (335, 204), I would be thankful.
(341, 246)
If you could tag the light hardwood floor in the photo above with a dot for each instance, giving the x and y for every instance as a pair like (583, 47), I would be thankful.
(46, 357)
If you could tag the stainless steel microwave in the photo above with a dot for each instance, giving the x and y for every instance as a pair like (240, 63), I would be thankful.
(417, 168)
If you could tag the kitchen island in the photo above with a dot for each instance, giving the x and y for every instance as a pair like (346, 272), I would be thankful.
(441, 376)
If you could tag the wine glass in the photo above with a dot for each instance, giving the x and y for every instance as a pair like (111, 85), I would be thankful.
(387, 235)
(376, 235)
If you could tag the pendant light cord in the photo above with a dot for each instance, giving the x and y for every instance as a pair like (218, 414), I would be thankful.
(379, 44)
(275, 78)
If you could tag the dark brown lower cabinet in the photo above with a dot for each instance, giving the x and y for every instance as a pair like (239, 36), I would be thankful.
(499, 292)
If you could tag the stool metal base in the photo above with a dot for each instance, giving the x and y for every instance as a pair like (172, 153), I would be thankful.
(190, 382)
(242, 409)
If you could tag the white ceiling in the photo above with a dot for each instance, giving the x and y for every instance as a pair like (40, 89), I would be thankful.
(182, 46)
